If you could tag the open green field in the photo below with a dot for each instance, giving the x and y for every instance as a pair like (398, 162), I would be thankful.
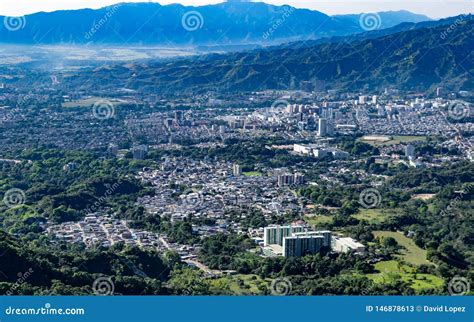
(252, 174)
(375, 216)
(241, 284)
(318, 220)
(391, 271)
(396, 139)
(411, 252)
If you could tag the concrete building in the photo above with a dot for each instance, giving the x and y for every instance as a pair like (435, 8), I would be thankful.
(320, 153)
(304, 148)
(298, 179)
(326, 234)
(178, 116)
(113, 149)
(347, 244)
(409, 151)
(274, 235)
(286, 179)
(293, 240)
(322, 127)
(139, 152)
(338, 154)
(300, 245)
(237, 170)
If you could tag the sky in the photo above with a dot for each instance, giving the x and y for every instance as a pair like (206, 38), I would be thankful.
(431, 8)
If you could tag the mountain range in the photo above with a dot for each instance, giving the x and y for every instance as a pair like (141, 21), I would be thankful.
(419, 58)
(225, 23)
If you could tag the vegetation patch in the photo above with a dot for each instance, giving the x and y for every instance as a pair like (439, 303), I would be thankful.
(318, 220)
(397, 139)
(241, 284)
(410, 253)
(375, 216)
(252, 174)
(391, 271)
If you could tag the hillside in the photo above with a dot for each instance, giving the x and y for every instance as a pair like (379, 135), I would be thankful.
(416, 59)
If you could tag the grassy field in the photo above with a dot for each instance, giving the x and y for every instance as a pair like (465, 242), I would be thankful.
(375, 216)
(318, 220)
(406, 139)
(252, 174)
(391, 271)
(241, 284)
(411, 252)
(397, 139)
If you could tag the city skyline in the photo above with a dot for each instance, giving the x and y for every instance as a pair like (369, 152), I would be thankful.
(441, 9)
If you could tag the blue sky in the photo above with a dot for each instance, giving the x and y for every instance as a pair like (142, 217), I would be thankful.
(431, 8)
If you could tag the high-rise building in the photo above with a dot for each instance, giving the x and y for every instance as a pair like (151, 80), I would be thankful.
(322, 127)
(362, 99)
(327, 237)
(139, 152)
(237, 170)
(273, 235)
(326, 234)
(113, 149)
(178, 116)
(298, 179)
(285, 179)
(300, 245)
(409, 151)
